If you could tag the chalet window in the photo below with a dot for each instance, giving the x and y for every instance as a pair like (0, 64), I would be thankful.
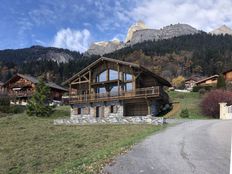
(127, 76)
(101, 77)
(112, 109)
(114, 91)
(79, 111)
(101, 90)
(128, 87)
(113, 74)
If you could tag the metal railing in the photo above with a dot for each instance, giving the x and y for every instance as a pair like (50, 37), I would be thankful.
(138, 93)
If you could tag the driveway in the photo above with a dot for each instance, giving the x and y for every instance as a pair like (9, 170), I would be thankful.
(200, 147)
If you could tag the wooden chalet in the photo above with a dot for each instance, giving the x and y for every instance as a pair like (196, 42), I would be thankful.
(191, 82)
(228, 75)
(209, 81)
(21, 87)
(113, 87)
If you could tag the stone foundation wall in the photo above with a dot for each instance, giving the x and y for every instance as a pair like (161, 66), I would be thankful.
(92, 110)
(83, 120)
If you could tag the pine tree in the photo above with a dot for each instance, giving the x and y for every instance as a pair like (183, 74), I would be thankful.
(38, 105)
(221, 82)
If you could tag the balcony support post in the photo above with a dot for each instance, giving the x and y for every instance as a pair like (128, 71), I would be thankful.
(118, 80)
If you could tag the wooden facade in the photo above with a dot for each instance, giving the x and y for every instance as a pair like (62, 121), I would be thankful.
(108, 82)
(228, 75)
(21, 87)
(191, 82)
(210, 81)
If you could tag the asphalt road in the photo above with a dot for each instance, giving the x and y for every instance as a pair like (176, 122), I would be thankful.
(199, 147)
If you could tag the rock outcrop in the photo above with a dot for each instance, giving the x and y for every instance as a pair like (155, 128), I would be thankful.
(135, 27)
(104, 47)
(164, 33)
(222, 30)
(138, 33)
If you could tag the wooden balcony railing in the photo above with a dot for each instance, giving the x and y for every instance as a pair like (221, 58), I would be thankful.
(138, 93)
(20, 93)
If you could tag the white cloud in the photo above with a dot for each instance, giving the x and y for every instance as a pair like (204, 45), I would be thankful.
(72, 39)
(204, 15)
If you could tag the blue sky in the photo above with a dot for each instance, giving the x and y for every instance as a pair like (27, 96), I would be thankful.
(75, 24)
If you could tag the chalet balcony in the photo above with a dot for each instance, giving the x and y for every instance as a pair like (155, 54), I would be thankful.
(150, 92)
(20, 93)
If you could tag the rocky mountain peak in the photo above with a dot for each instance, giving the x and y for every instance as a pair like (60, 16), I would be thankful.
(138, 33)
(139, 25)
(222, 30)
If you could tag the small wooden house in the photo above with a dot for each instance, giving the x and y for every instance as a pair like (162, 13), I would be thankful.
(191, 82)
(228, 75)
(113, 87)
(209, 81)
(21, 87)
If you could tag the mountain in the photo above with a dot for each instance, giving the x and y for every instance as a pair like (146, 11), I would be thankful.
(163, 33)
(33, 53)
(135, 27)
(138, 33)
(222, 30)
(200, 54)
(104, 47)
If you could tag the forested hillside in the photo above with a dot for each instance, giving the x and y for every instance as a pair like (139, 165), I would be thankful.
(185, 55)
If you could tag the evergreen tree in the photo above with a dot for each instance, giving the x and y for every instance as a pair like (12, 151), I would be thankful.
(38, 105)
(221, 82)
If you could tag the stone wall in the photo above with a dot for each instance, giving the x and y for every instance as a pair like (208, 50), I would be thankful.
(85, 120)
(118, 111)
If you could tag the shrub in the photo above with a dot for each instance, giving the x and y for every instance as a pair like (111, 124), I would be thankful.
(4, 100)
(206, 87)
(178, 82)
(184, 113)
(210, 103)
(202, 91)
(4, 103)
(38, 105)
(221, 84)
(229, 86)
(16, 109)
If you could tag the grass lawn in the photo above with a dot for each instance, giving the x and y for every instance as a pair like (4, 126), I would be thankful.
(35, 145)
(188, 101)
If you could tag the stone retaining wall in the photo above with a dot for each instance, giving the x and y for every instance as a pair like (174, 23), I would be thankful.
(85, 120)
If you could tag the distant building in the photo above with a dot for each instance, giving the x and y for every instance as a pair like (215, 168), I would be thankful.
(208, 81)
(228, 75)
(110, 87)
(191, 82)
(21, 87)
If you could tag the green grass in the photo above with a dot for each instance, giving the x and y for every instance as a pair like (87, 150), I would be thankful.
(188, 101)
(35, 145)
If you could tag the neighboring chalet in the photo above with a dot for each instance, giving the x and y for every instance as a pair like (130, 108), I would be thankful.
(208, 81)
(21, 87)
(191, 82)
(228, 75)
(118, 88)
(1, 87)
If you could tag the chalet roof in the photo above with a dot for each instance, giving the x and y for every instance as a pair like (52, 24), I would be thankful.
(194, 78)
(35, 81)
(160, 79)
(227, 71)
(207, 78)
